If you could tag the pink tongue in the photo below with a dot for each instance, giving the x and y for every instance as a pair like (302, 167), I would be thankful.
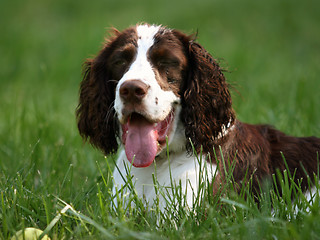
(141, 143)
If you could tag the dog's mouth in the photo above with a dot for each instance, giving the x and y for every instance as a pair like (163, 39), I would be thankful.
(143, 139)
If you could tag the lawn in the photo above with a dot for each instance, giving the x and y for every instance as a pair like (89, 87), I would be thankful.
(272, 51)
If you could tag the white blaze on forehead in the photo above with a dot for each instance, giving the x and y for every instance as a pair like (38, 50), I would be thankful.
(146, 35)
(141, 68)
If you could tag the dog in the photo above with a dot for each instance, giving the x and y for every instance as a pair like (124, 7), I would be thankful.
(159, 98)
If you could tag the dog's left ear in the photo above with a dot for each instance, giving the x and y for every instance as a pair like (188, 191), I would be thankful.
(206, 100)
(95, 112)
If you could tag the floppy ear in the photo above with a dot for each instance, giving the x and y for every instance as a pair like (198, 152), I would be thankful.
(95, 112)
(206, 101)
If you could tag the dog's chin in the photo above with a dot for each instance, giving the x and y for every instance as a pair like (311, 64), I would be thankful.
(144, 138)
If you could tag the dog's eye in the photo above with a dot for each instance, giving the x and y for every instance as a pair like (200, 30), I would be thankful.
(167, 63)
(171, 80)
(120, 62)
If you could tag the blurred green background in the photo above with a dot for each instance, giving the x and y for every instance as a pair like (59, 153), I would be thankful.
(271, 49)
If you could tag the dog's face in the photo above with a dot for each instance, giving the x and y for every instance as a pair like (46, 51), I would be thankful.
(149, 68)
(149, 71)
(142, 83)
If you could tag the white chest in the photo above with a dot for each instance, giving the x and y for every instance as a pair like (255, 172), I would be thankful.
(163, 175)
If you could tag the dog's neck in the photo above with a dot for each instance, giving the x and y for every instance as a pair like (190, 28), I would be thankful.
(225, 129)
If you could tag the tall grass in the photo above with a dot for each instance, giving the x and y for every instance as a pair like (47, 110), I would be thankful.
(271, 50)
(278, 213)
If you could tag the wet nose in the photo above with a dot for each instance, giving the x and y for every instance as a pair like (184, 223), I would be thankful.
(133, 90)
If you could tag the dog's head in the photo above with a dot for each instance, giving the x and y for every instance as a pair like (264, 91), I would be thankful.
(145, 81)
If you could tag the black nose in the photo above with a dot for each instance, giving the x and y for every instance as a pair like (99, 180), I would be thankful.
(133, 90)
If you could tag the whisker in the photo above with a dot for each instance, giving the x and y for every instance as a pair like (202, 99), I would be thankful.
(109, 111)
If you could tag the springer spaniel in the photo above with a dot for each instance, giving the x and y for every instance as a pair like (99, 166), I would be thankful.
(151, 87)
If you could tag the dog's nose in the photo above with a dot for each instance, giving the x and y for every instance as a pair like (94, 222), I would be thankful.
(133, 90)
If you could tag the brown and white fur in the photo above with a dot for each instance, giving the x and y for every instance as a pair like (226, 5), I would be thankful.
(151, 86)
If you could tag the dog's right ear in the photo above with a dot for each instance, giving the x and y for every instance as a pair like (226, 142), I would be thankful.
(206, 100)
(95, 112)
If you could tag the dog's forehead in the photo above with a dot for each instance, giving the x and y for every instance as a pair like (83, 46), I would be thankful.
(147, 32)
(146, 35)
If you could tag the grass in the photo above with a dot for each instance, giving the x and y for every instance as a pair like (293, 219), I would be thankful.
(272, 51)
